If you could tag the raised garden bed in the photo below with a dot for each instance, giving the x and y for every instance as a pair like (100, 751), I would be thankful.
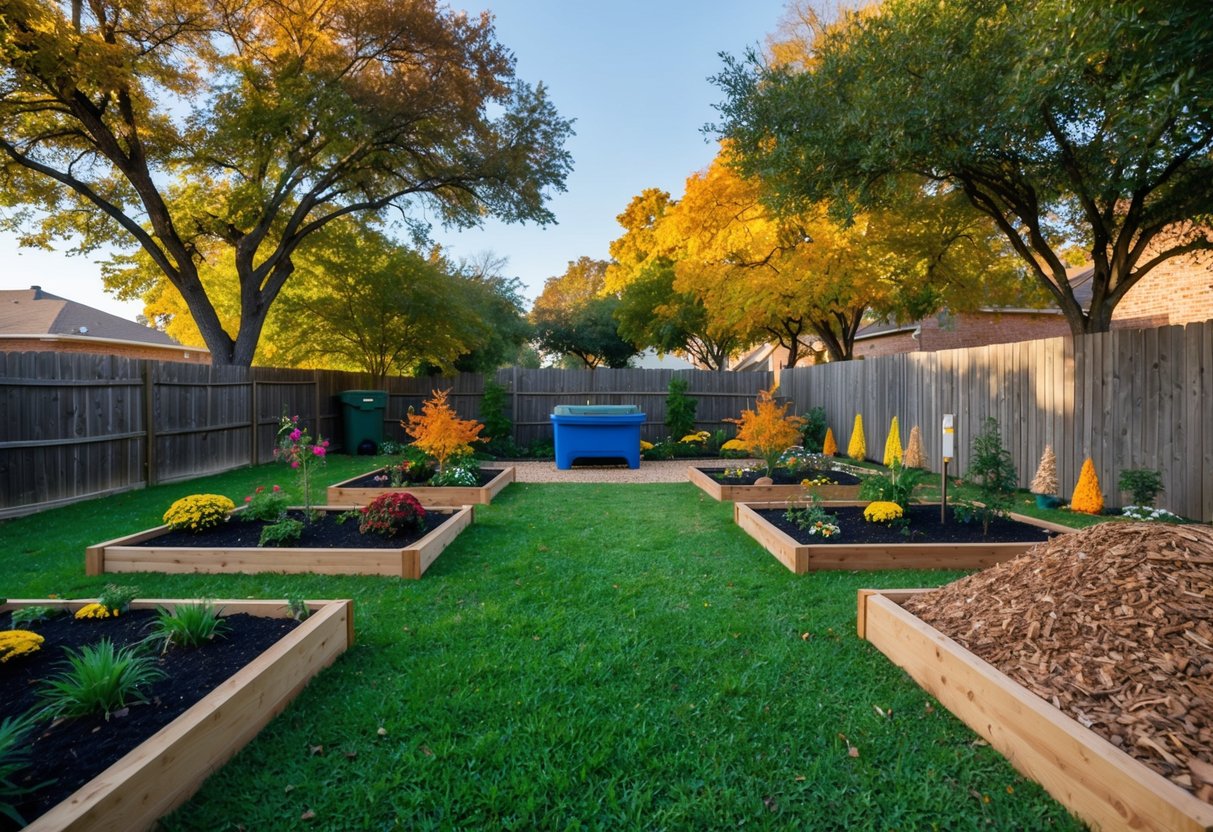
(164, 770)
(964, 549)
(335, 550)
(845, 486)
(1089, 775)
(360, 490)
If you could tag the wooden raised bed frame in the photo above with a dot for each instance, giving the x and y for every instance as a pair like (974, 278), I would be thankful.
(763, 493)
(342, 494)
(807, 557)
(122, 555)
(166, 769)
(1087, 774)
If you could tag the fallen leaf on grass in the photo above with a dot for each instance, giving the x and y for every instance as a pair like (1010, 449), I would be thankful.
(881, 712)
(315, 750)
(800, 778)
(771, 804)
(308, 815)
(382, 731)
(425, 749)
(351, 755)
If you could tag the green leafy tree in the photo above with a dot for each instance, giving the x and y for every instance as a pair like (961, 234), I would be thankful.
(1100, 132)
(679, 410)
(572, 317)
(240, 130)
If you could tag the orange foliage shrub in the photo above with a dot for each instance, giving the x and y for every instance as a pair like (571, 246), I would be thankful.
(768, 430)
(439, 431)
(1087, 497)
(830, 448)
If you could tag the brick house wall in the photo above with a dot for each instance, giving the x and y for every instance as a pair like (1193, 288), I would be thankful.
(1180, 291)
(104, 346)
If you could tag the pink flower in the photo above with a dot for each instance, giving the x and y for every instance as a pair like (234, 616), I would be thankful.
(324, 444)
(294, 463)
(260, 488)
(276, 489)
(296, 434)
(318, 450)
(248, 499)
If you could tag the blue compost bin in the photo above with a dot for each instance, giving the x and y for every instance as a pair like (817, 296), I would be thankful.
(597, 431)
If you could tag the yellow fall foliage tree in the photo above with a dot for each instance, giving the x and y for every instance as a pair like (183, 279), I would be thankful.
(892, 445)
(1087, 496)
(857, 448)
(439, 431)
(768, 430)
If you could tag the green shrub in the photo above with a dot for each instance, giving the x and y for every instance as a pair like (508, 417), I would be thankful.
(497, 425)
(14, 757)
(117, 599)
(99, 679)
(813, 434)
(897, 486)
(25, 616)
(1145, 484)
(284, 532)
(993, 472)
(189, 625)
(679, 410)
(265, 504)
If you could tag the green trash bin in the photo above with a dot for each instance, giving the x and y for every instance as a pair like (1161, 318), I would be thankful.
(362, 415)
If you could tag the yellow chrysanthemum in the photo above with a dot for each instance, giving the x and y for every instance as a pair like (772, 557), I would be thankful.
(198, 512)
(646, 446)
(95, 610)
(882, 512)
(15, 643)
(733, 445)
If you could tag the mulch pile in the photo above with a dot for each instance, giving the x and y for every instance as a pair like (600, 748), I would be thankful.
(1114, 626)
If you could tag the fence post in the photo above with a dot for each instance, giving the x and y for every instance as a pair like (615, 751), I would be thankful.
(254, 451)
(149, 425)
(514, 402)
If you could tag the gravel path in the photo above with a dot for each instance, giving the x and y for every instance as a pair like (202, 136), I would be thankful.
(673, 470)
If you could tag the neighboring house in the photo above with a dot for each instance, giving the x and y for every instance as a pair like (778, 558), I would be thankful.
(1179, 291)
(32, 320)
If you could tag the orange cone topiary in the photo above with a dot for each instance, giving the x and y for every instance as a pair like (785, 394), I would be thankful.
(829, 447)
(1087, 497)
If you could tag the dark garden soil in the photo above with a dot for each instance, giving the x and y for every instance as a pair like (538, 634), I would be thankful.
(483, 477)
(73, 751)
(323, 533)
(782, 476)
(924, 527)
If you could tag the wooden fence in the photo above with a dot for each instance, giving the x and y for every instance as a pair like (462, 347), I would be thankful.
(1126, 398)
(76, 426)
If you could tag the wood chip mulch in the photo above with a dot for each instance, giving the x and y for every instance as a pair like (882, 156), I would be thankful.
(1114, 626)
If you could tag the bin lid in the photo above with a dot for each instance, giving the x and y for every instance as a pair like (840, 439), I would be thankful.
(376, 397)
(596, 409)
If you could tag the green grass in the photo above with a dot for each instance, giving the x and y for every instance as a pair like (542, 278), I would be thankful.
(583, 657)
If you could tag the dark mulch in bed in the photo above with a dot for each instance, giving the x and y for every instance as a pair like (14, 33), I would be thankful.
(323, 533)
(782, 476)
(483, 477)
(924, 527)
(73, 751)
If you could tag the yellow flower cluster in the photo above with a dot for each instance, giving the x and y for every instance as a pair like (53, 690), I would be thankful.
(18, 643)
(646, 446)
(892, 445)
(858, 447)
(95, 610)
(882, 512)
(198, 512)
(696, 438)
(819, 480)
(1087, 496)
(733, 445)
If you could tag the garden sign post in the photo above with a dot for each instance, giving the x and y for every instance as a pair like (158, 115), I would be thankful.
(949, 451)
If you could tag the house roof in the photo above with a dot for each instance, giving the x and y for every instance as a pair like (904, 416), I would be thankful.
(35, 312)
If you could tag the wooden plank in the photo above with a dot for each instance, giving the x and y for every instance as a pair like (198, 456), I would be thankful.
(165, 770)
(759, 493)
(1206, 419)
(1090, 776)
(342, 494)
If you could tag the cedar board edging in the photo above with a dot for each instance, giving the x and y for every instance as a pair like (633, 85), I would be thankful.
(1087, 774)
(166, 769)
(751, 493)
(448, 495)
(121, 555)
(806, 557)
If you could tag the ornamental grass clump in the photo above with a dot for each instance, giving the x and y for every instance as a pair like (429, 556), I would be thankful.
(16, 750)
(892, 445)
(857, 448)
(17, 643)
(189, 625)
(99, 679)
(198, 512)
(439, 432)
(897, 486)
(1087, 497)
(767, 430)
(390, 513)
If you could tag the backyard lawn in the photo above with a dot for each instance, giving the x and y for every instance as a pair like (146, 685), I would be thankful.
(584, 656)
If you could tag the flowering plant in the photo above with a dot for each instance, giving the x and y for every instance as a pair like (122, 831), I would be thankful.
(1150, 514)
(882, 512)
(697, 438)
(389, 513)
(297, 448)
(94, 610)
(264, 505)
(767, 430)
(198, 512)
(821, 479)
(814, 519)
(15, 643)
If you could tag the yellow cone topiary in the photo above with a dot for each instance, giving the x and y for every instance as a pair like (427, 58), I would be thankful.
(1087, 497)
(829, 447)
(914, 456)
(857, 449)
(892, 445)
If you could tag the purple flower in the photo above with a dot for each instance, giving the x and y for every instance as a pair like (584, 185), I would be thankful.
(294, 463)
(296, 434)
(318, 450)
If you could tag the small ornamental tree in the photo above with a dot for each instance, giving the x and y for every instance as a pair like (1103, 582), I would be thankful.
(767, 430)
(1045, 481)
(892, 445)
(857, 449)
(829, 447)
(914, 456)
(439, 432)
(1087, 496)
(680, 409)
(993, 472)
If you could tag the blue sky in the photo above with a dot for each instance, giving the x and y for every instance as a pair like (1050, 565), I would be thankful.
(634, 77)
